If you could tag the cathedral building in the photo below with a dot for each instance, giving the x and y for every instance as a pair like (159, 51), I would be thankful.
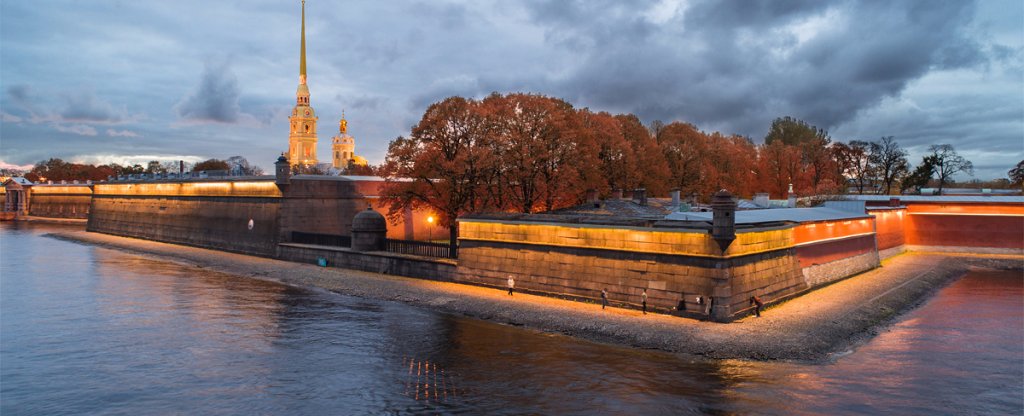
(344, 148)
(302, 133)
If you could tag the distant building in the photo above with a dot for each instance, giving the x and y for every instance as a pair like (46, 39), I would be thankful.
(302, 133)
(343, 147)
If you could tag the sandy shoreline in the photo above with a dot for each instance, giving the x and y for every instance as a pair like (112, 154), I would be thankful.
(811, 327)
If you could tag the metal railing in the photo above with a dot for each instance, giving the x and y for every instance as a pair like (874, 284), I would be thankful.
(421, 248)
(322, 239)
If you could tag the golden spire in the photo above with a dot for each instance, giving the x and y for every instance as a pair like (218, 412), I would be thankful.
(302, 53)
(343, 125)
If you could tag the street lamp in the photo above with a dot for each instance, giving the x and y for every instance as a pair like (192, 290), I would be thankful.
(430, 228)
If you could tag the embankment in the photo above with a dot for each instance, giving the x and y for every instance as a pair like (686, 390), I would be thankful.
(810, 327)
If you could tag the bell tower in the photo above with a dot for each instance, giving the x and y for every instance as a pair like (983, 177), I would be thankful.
(343, 146)
(302, 123)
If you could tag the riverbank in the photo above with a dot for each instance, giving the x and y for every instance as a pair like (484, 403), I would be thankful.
(814, 326)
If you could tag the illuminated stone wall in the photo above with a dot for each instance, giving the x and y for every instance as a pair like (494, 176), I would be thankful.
(578, 260)
(672, 265)
(327, 205)
(61, 201)
(210, 214)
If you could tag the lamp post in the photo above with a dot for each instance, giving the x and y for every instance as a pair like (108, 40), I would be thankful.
(430, 228)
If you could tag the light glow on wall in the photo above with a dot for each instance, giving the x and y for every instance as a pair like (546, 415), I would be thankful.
(267, 189)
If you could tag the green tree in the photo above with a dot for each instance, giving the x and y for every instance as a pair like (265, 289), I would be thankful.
(920, 176)
(793, 132)
(211, 164)
(1017, 174)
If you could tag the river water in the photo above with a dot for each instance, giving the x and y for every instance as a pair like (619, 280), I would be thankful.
(90, 330)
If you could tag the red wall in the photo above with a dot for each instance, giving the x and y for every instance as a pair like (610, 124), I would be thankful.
(889, 226)
(998, 226)
(815, 244)
(812, 254)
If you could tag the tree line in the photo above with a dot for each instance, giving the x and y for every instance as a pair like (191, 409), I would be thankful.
(56, 169)
(528, 153)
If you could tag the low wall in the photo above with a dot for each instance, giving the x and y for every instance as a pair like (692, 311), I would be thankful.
(209, 214)
(377, 262)
(61, 201)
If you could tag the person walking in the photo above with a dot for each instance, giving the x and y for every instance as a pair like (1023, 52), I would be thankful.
(604, 298)
(511, 284)
(708, 304)
(757, 304)
(643, 301)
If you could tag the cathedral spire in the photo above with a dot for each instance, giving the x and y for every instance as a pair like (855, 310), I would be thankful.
(302, 51)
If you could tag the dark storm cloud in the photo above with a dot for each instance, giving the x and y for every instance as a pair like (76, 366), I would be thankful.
(738, 65)
(216, 97)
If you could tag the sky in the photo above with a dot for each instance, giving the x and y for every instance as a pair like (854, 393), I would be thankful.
(120, 81)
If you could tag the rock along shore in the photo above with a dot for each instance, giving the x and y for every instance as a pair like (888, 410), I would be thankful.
(811, 327)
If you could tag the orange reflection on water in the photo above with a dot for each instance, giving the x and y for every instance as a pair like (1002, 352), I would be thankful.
(427, 382)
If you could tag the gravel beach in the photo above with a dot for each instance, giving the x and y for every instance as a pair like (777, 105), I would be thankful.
(819, 325)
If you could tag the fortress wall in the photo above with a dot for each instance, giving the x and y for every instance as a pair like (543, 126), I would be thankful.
(977, 225)
(209, 214)
(579, 260)
(327, 205)
(61, 201)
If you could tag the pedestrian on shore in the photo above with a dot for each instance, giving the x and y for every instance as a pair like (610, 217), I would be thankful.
(643, 301)
(511, 284)
(604, 298)
(756, 302)
(707, 306)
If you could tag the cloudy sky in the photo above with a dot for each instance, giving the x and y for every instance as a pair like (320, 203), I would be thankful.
(132, 81)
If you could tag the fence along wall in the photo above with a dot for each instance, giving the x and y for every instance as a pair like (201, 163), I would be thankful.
(210, 214)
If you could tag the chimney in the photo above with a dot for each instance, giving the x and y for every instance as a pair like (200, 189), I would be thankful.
(181, 167)
(761, 199)
(675, 197)
(640, 196)
(723, 219)
(791, 198)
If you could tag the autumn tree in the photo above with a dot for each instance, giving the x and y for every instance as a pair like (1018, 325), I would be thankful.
(685, 149)
(541, 149)
(440, 165)
(889, 161)
(651, 169)
(211, 164)
(778, 167)
(948, 162)
(616, 161)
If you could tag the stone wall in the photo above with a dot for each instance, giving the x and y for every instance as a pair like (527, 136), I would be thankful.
(376, 262)
(209, 214)
(61, 201)
(327, 204)
(672, 265)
